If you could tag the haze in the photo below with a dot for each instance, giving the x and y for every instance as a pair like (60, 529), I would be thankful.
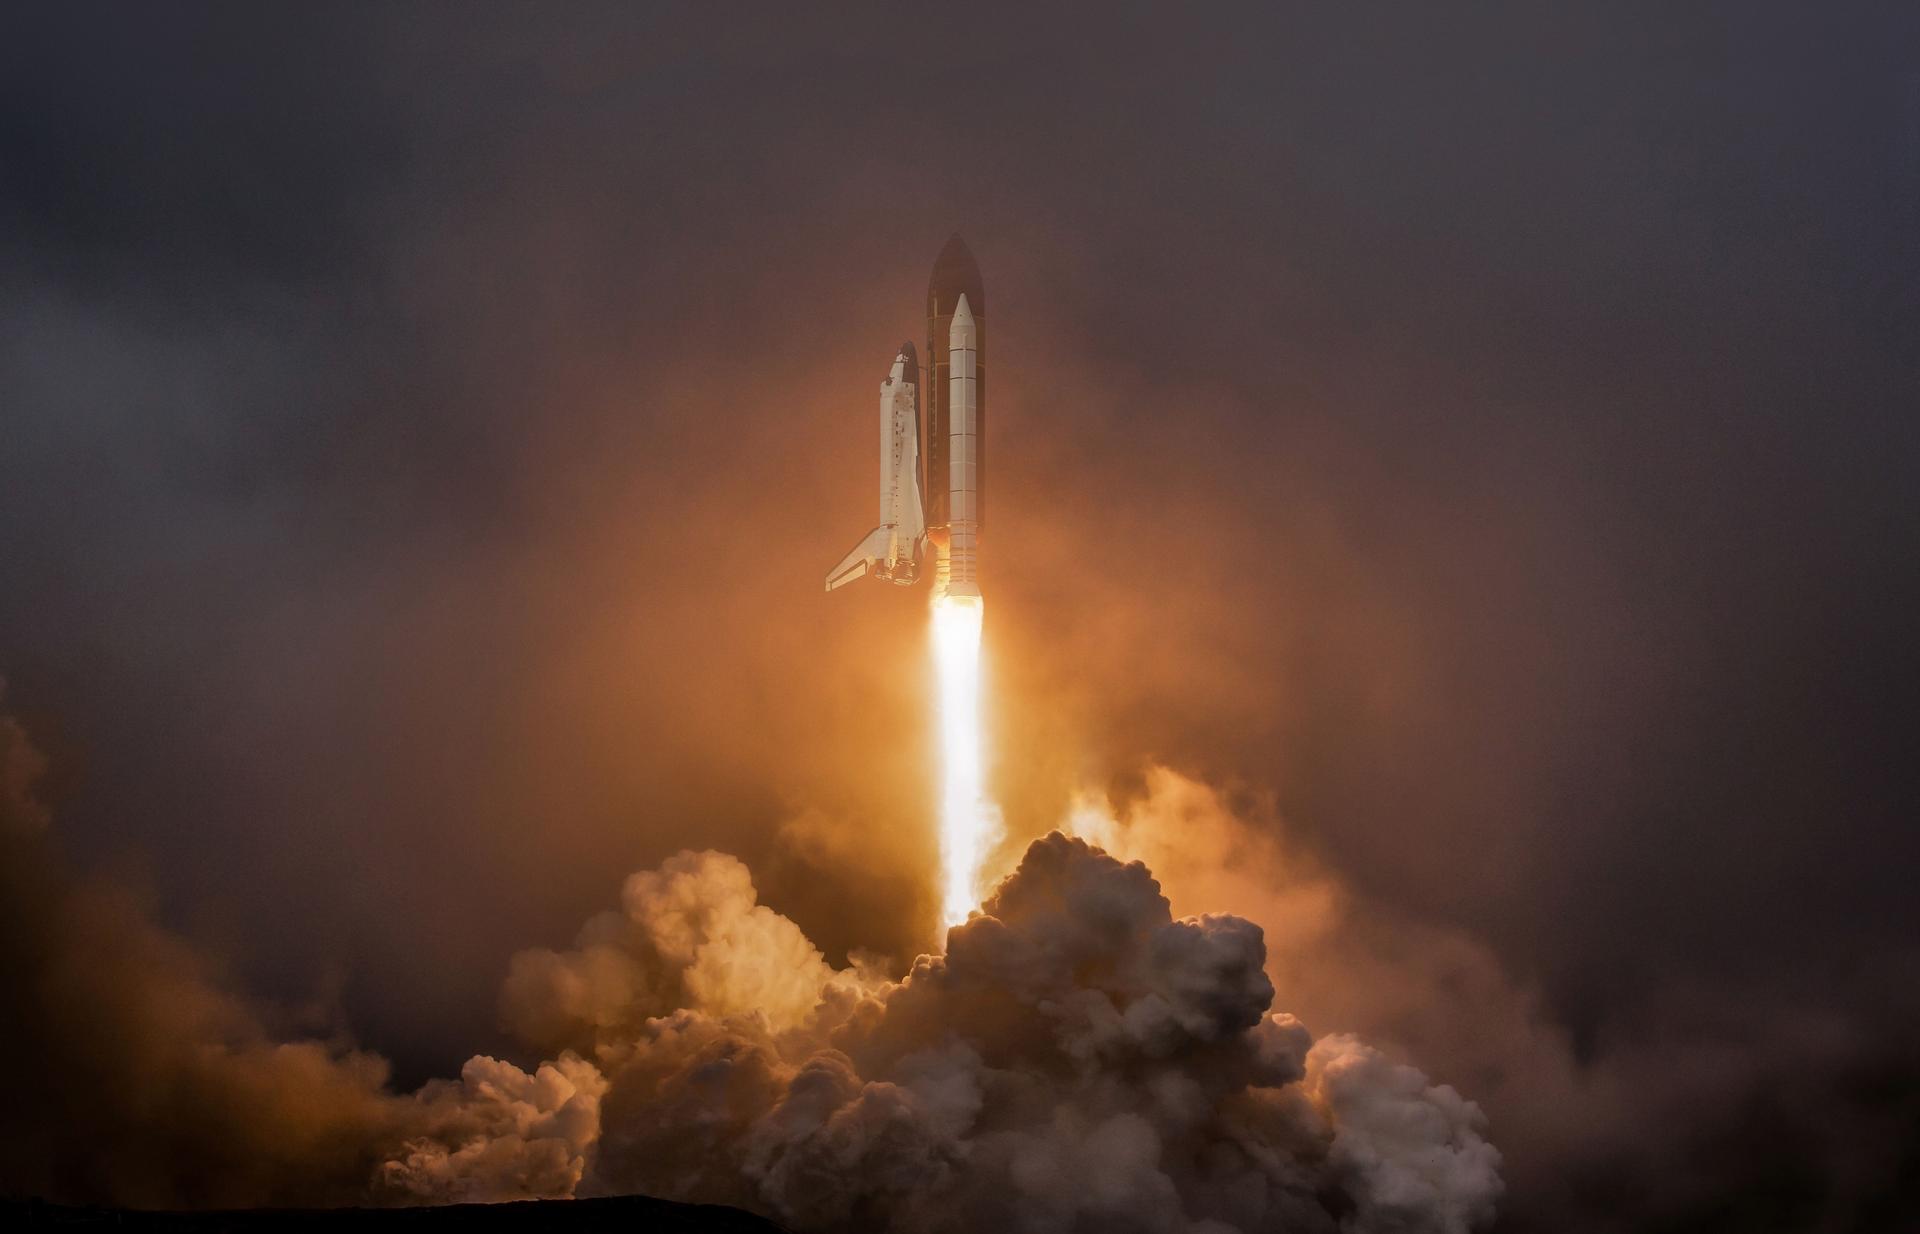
(1478, 446)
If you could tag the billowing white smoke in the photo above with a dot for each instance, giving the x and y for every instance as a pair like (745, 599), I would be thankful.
(498, 1133)
(1405, 1137)
(1078, 1059)
(690, 934)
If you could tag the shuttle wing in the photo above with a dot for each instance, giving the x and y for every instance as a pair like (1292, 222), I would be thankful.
(870, 552)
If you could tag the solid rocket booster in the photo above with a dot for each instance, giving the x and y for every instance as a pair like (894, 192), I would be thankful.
(956, 417)
(959, 573)
(932, 464)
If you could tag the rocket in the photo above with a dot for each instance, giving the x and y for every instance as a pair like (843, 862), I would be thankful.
(931, 460)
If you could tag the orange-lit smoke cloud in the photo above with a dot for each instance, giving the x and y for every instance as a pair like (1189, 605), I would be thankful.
(1077, 1054)
(1078, 1026)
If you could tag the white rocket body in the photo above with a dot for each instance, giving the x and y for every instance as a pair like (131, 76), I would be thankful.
(961, 577)
(891, 551)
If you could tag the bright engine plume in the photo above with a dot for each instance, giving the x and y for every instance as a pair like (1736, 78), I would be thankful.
(966, 819)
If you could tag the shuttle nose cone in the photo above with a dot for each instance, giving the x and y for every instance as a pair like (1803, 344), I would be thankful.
(907, 361)
(955, 274)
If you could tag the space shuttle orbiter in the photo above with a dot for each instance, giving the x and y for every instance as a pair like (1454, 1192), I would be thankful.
(892, 550)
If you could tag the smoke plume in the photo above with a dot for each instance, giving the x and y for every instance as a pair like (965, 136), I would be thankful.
(1715, 1109)
(498, 1133)
(1078, 1058)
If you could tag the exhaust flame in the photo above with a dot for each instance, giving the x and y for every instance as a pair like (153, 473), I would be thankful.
(966, 818)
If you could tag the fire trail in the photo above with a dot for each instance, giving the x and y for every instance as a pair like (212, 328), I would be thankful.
(966, 819)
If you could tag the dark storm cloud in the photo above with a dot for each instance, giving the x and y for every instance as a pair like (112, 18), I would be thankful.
(423, 433)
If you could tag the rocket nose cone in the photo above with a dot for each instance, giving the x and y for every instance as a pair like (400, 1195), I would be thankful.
(955, 274)
(960, 333)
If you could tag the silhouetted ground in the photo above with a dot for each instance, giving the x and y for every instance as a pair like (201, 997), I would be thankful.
(635, 1214)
